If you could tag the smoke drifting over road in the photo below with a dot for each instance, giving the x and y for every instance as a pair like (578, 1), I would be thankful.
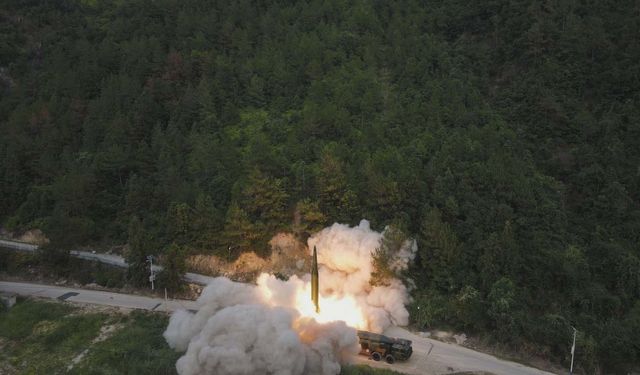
(272, 327)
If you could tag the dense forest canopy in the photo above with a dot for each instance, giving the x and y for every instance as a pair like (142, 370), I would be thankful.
(503, 135)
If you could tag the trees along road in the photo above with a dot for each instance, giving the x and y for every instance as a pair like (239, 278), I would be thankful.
(111, 259)
(429, 356)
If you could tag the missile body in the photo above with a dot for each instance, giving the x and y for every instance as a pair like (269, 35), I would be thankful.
(314, 281)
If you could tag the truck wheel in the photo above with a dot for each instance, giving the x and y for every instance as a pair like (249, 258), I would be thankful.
(390, 359)
(376, 356)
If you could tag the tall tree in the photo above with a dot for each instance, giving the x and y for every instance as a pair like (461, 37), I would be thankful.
(391, 256)
(174, 267)
(139, 248)
(440, 251)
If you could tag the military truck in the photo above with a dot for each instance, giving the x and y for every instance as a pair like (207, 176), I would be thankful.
(378, 346)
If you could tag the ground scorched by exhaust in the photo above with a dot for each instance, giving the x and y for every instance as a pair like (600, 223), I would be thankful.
(272, 327)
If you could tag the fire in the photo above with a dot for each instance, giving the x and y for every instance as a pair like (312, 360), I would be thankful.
(332, 309)
(237, 323)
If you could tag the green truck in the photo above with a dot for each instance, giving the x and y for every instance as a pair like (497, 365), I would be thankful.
(378, 346)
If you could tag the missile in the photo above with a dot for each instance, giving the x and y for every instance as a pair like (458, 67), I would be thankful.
(314, 281)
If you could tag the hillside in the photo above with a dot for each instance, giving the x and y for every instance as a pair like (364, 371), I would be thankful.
(503, 136)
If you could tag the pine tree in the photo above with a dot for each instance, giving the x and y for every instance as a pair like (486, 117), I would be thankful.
(337, 199)
(386, 257)
(439, 251)
(239, 232)
(265, 200)
(174, 267)
(308, 218)
(139, 248)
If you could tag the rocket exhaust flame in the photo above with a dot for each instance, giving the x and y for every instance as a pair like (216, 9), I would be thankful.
(275, 328)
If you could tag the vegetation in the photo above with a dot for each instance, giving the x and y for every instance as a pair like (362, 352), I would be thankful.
(174, 263)
(38, 267)
(365, 370)
(387, 257)
(136, 256)
(504, 136)
(136, 348)
(43, 337)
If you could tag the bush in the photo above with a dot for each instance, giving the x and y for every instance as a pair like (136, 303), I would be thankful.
(109, 277)
(502, 309)
(429, 310)
(56, 258)
(552, 331)
(13, 261)
(469, 308)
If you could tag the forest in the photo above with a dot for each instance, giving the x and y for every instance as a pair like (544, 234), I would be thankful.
(503, 135)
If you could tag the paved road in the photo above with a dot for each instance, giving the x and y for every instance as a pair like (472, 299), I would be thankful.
(447, 358)
(95, 297)
(15, 245)
(430, 356)
(442, 359)
(111, 259)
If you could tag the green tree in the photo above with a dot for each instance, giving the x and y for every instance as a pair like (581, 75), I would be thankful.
(174, 267)
(239, 232)
(499, 257)
(139, 247)
(502, 309)
(440, 251)
(337, 198)
(207, 223)
(179, 222)
(470, 308)
(308, 218)
(391, 256)
(264, 198)
(515, 124)
(56, 257)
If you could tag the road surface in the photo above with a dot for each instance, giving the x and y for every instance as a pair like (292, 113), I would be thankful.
(15, 245)
(447, 358)
(429, 356)
(110, 259)
(95, 297)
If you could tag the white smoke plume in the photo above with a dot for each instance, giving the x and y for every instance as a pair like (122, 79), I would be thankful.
(345, 258)
(272, 327)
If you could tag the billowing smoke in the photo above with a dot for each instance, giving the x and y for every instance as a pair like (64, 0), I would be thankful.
(272, 327)
(345, 255)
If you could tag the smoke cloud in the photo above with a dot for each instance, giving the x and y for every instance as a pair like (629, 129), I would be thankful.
(272, 328)
(345, 257)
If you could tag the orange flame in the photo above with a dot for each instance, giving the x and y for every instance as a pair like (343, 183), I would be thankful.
(332, 308)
